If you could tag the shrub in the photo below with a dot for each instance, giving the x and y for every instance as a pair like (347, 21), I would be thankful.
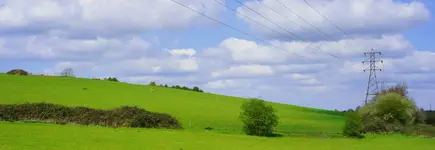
(390, 112)
(20, 72)
(125, 116)
(353, 126)
(258, 118)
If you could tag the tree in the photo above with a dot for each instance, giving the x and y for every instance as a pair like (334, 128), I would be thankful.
(165, 85)
(67, 72)
(353, 126)
(185, 88)
(196, 89)
(152, 83)
(389, 112)
(258, 118)
(112, 79)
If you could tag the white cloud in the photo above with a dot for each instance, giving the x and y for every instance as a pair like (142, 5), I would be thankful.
(220, 84)
(75, 66)
(355, 17)
(244, 51)
(57, 48)
(99, 17)
(245, 71)
(180, 52)
(298, 76)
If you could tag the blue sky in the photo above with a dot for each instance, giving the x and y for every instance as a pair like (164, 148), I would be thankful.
(140, 41)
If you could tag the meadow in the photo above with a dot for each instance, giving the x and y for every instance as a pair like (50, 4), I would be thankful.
(195, 110)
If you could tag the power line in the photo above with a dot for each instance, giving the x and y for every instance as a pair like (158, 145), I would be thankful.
(232, 9)
(300, 26)
(318, 30)
(338, 28)
(285, 29)
(220, 22)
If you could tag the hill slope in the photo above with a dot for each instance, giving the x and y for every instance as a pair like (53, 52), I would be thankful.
(195, 110)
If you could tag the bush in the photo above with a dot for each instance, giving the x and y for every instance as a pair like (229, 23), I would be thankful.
(390, 112)
(353, 126)
(125, 116)
(20, 72)
(258, 118)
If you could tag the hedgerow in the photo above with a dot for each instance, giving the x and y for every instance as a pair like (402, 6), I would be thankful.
(125, 116)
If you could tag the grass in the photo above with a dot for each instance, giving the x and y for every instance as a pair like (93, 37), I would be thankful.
(195, 111)
(46, 136)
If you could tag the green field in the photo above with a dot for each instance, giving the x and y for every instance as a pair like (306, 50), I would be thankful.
(195, 110)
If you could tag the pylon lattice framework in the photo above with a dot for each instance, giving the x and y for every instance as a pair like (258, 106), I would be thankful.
(373, 83)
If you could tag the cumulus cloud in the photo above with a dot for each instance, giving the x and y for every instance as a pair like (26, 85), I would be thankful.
(355, 17)
(244, 51)
(88, 18)
(245, 71)
(228, 84)
(182, 52)
(57, 48)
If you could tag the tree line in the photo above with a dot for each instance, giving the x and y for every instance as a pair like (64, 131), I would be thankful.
(195, 88)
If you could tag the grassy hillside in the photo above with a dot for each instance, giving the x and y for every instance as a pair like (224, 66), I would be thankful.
(195, 110)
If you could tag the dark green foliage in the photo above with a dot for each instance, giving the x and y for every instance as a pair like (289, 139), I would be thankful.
(114, 79)
(420, 117)
(353, 126)
(20, 72)
(258, 118)
(195, 89)
(430, 117)
(185, 88)
(152, 83)
(125, 116)
(420, 130)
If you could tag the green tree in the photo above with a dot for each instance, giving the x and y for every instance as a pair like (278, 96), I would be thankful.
(258, 118)
(152, 83)
(353, 126)
(196, 89)
(185, 88)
